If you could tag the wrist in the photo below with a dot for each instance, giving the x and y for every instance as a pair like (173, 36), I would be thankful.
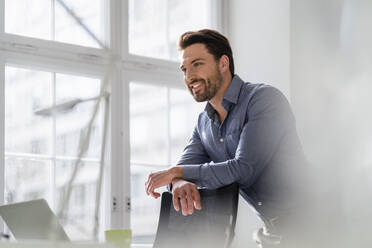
(176, 172)
(176, 180)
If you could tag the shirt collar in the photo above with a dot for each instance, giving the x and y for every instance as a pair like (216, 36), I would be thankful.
(231, 95)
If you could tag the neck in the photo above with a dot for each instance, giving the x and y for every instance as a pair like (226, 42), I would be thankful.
(216, 101)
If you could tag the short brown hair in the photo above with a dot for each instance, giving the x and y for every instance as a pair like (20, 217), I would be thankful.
(216, 44)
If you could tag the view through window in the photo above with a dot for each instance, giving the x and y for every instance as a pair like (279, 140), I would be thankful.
(48, 19)
(161, 120)
(40, 150)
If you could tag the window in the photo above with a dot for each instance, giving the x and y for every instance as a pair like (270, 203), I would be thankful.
(161, 121)
(48, 57)
(162, 115)
(40, 150)
(48, 19)
(155, 26)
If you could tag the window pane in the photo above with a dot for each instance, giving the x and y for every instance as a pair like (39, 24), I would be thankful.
(149, 145)
(32, 141)
(69, 31)
(36, 18)
(148, 124)
(162, 22)
(27, 179)
(150, 112)
(79, 220)
(145, 209)
(184, 113)
(28, 17)
(71, 124)
(25, 92)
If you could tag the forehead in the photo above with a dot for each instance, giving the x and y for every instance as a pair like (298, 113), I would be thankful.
(195, 51)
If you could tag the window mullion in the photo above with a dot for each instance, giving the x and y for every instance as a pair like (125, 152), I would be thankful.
(167, 27)
(2, 16)
(219, 16)
(53, 142)
(125, 28)
(52, 19)
(169, 127)
(2, 131)
(67, 53)
(119, 122)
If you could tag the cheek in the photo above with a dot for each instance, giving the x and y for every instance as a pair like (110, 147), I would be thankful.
(211, 71)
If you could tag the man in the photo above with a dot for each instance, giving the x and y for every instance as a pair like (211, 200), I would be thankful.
(246, 134)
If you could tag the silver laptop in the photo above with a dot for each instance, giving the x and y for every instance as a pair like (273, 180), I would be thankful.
(32, 220)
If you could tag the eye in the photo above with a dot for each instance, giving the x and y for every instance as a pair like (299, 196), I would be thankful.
(196, 64)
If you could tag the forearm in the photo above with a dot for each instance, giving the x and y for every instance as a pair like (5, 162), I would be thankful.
(216, 175)
(176, 171)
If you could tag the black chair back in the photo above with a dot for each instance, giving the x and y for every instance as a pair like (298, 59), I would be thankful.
(213, 226)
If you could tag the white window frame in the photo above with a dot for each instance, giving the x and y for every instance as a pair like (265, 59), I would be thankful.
(75, 59)
(2, 131)
(50, 56)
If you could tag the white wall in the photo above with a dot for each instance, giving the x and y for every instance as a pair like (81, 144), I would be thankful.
(319, 53)
(331, 79)
(331, 88)
(259, 34)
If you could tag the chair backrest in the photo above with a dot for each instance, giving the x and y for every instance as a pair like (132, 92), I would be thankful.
(213, 226)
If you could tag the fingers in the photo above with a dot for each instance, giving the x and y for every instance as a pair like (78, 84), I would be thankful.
(156, 195)
(158, 179)
(182, 195)
(196, 199)
(190, 202)
(149, 184)
(176, 205)
(190, 199)
(150, 190)
(184, 206)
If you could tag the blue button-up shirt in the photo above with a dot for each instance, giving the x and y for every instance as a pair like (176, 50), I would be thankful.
(256, 146)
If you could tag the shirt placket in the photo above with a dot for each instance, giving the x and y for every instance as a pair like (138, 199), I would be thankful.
(221, 136)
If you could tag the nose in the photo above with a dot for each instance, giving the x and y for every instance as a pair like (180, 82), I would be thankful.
(189, 77)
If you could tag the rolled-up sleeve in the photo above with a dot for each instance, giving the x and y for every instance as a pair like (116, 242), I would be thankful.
(269, 119)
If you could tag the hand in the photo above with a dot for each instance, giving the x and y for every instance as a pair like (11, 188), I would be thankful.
(161, 178)
(189, 195)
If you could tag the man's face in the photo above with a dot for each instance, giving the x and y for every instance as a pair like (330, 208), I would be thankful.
(201, 72)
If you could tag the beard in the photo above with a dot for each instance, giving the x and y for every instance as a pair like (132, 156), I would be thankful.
(211, 85)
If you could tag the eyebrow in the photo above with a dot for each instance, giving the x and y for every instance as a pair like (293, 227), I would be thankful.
(182, 67)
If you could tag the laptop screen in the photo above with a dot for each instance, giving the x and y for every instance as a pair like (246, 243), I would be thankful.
(32, 220)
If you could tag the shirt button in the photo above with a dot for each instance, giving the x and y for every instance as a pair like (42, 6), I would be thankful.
(221, 139)
(259, 203)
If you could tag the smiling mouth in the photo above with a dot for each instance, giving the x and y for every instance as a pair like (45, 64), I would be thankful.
(195, 87)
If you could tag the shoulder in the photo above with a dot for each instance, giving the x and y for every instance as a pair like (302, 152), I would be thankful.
(263, 94)
(249, 89)
(253, 94)
(261, 99)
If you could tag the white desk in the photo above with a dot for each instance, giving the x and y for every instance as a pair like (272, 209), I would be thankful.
(42, 244)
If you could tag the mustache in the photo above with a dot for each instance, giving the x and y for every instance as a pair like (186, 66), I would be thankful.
(196, 80)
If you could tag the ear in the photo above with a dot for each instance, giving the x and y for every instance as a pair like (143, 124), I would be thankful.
(224, 63)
